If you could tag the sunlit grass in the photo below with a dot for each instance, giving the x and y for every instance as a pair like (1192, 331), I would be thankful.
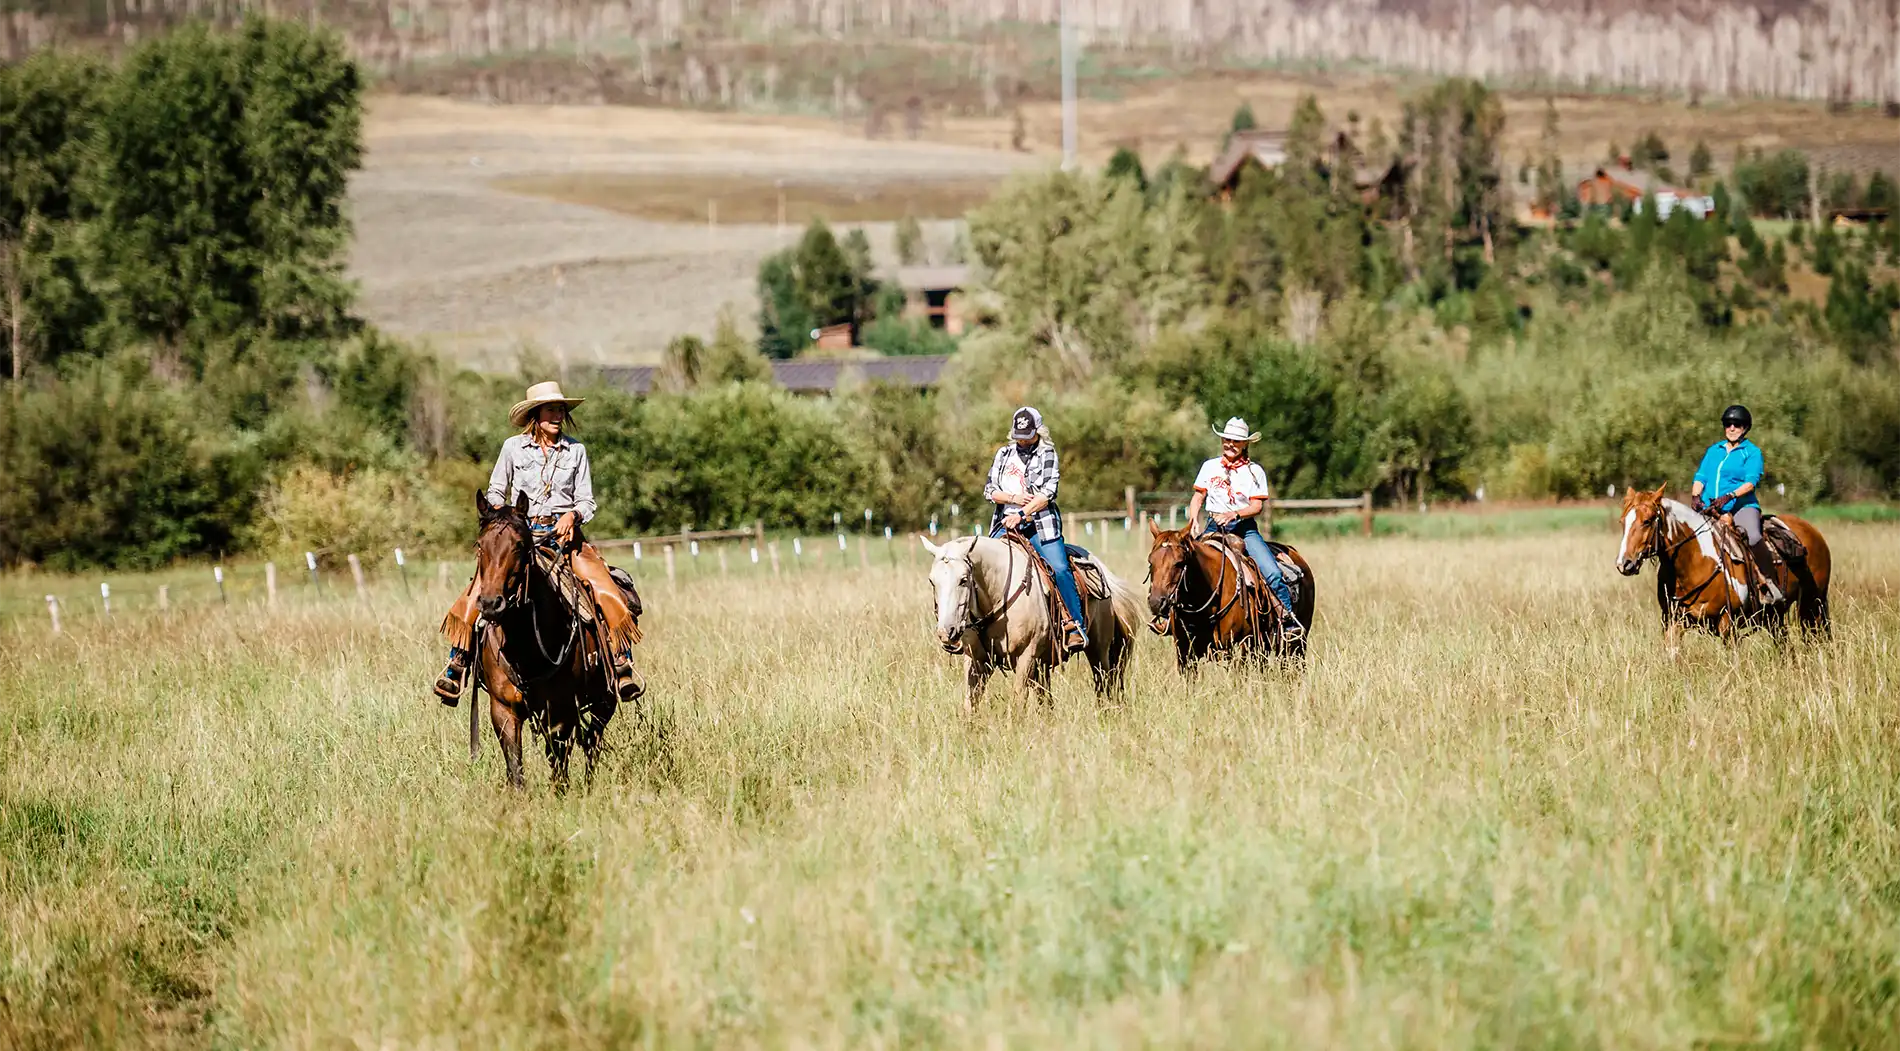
(1490, 812)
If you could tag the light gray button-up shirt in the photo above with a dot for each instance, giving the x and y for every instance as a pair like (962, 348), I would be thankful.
(556, 478)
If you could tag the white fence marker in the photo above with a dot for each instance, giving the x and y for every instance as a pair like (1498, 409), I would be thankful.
(105, 596)
(310, 559)
(217, 574)
(270, 581)
(52, 610)
(356, 574)
(164, 597)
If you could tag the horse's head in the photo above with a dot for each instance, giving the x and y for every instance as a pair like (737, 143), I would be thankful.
(1643, 517)
(952, 587)
(503, 553)
(1168, 554)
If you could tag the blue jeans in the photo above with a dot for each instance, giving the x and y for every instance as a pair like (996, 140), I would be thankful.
(1263, 557)
(1056, 553)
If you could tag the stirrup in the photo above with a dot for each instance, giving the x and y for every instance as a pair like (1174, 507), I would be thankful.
(1074, 639)
(449, 687)
(627, 682)
(1291, 630)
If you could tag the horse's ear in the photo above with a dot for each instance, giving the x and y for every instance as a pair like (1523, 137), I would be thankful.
(1659, 490)
(521, 504)
(928, 546)
(1153, 530)
(482, 507)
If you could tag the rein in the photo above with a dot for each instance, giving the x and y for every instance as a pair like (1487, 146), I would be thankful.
(1661, 549)
(519, 595)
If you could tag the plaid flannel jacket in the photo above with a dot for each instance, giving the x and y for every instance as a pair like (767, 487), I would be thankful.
(1042, 474)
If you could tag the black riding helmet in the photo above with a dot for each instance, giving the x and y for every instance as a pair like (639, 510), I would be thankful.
(1738, 414)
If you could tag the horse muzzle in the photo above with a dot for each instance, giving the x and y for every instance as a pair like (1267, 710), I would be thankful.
(1629, 567)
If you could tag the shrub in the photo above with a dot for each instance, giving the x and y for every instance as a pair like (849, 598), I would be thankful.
(366, 513)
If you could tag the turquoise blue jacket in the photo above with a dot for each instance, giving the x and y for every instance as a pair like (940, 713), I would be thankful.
(1724, 468)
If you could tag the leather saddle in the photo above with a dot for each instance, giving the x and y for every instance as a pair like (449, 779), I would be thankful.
(574, 592)
(1235, 548)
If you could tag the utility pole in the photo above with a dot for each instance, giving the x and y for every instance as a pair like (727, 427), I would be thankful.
(1068, 88)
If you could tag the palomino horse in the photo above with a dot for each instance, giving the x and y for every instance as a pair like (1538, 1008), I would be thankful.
(993, 604)
(540, 663)
(1198, 599)
(1698, 585)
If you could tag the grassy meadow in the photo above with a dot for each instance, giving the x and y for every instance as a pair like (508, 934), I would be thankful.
(1491, 812)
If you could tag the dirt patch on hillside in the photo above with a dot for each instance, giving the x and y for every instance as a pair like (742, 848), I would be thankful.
(715, 199)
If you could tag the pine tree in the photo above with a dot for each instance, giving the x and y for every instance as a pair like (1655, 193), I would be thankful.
(1550, 166)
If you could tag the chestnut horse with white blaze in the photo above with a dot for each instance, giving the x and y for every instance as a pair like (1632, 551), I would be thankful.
(1699, 585)
(1199, 598)
(994, 605)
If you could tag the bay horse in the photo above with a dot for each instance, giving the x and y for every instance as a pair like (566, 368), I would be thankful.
(1697, 585)
(1198, 599)
(540, 663)
(994, 605)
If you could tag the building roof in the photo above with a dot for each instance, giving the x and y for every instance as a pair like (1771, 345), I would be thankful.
(932, 278)
(1268, 148)
(810, 375)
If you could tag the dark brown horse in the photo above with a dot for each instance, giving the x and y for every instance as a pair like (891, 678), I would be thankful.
(1699, 585)
(542, 665)
(1197, 596)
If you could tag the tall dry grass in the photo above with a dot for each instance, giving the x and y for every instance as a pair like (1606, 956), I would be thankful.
(1491, 812)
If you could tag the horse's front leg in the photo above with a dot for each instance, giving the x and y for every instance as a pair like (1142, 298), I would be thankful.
(1032, 683)
(975, 678)
(559, 745)
(506, 713)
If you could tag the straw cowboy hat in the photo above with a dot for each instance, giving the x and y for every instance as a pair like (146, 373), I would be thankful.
(1236, 431)
(548, 393)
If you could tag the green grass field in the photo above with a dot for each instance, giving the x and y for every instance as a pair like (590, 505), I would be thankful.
(1492, 812)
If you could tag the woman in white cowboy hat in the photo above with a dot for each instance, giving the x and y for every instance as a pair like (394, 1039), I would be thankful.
(552, 469)
(1233, 489)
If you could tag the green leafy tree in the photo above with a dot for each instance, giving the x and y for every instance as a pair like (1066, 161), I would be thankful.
(814, 284)
(1126, 164)
(1701, 161)
(48, 105)
(1860, 315)
(909, 241)
(1550, 166)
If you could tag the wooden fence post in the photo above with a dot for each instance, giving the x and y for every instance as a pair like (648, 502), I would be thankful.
(669, 564)
(1128, 496)
(442, 575)
(773, 548)
(356, 574)
(1266, 520)
(1365, 512)
(164, 597)
(270, 582)
(722, 560)
(52, 610)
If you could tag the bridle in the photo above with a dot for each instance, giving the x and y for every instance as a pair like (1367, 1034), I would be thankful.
(970, 598)
(1662, 549)
(515, 596)
(1171, 602)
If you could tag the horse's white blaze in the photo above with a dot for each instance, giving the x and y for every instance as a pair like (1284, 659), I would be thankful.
(1629, 523)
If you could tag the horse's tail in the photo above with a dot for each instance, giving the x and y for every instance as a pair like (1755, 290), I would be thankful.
(1130, 605)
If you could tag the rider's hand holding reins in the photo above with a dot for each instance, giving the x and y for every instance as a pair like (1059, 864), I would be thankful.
(564, 530)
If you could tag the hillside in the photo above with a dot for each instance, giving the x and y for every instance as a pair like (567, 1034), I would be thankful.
(1842, 50)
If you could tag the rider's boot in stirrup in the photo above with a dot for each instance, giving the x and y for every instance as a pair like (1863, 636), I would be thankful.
(1290, 629)
(1763, 563)
(627, 680)
(448, 686)
(1074, 640)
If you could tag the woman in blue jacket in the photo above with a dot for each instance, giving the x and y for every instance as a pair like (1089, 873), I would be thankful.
(1731, 469)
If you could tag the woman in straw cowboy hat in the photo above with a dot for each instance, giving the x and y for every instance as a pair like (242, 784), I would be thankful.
(552, 469)
(1234, 490)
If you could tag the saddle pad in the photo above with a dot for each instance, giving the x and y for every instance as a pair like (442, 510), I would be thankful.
(1089, 578)
(1783, 540)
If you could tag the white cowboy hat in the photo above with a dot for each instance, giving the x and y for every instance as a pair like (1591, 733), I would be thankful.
(546, 393)
(1236, 431)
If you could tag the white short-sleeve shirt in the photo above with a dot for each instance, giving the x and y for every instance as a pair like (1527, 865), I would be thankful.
(1230, 487)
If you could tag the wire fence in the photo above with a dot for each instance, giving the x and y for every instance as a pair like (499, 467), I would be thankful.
(54, 603)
